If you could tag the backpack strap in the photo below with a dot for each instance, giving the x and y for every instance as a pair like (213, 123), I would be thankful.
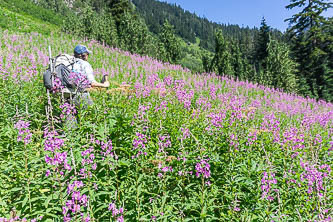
(72, 64)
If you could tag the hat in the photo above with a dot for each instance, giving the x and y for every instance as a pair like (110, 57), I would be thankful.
(80, 49)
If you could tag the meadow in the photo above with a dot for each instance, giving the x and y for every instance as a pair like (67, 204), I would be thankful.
(176, 147)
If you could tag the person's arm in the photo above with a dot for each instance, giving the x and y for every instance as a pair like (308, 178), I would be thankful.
(96, 86)
(106, 84)
(91, 78)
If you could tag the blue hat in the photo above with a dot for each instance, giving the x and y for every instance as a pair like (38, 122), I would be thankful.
(80, 49)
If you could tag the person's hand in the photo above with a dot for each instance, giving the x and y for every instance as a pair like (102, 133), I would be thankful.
(104, 79)
(106, 84)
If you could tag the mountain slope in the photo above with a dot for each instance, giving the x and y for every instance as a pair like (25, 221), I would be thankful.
(172, 147)
(24, 16)
(190, 26)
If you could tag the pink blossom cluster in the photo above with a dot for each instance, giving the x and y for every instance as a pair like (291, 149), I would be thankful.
(57, 85)
(107, 149)
(87, 162)
(67, 110)
(54, 158)
(163, 143)
(80, 81)
(24, 133)
(164, 169)
(139, 144)
(267, 182)
(117, 213)
(314, 176)
(202, 168)
(77, 201)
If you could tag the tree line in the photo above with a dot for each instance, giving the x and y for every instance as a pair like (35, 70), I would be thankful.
(189, 26)
(117, 24)
(269, 62)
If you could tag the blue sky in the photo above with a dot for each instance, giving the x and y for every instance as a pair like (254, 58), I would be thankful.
(242, 12)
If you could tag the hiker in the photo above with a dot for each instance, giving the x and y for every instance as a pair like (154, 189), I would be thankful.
(81, 53)
(82, 67)
(73, 77)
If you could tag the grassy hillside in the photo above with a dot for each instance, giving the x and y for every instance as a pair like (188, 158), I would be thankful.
(173, 147)
(25, 17)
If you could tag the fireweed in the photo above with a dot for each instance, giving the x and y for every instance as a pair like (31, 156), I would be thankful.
(57, 160)
(76, 202)
(57, 85)
(24, 133)
(267, 183)
(314, 177)
(117, 213)
(149, 150)
(203, 168)
(68, 110)
(79, 81)
(139, 145)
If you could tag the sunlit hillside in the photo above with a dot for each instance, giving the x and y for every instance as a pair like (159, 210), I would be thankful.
(171, 147)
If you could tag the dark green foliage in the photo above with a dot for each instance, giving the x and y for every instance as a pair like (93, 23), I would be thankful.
(206, 61)
(169, 44)
(221, 62)
(310, 36)
(327, 89)
(309, 18)
(133, 35)
(89, 24)
(280, 69)
(260, 53)
(188, 25)
(59, 6)
(229, 59)
(238, 61)
(111, 22)
(274, 67)
(118, 9)
(261, 43)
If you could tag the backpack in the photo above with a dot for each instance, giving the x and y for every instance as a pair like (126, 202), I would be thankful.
(60, 67)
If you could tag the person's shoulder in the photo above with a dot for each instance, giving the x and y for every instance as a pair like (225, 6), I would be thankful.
(82, 62)
(86, 63)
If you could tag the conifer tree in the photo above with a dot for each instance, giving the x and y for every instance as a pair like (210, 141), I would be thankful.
(206, 61)
(261, 53)
(119, 8)
(222, 59)
(169, 44)
(280, 69)
(309, 38)
(104, 29)
(238, 61)
(85, 22)
(262, 41)
(328, 47)
(133, 34)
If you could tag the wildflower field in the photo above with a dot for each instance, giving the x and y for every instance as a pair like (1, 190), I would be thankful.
(176, 146)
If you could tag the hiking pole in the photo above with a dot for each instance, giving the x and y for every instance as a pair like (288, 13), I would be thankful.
(48, 92)
(51, 65)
